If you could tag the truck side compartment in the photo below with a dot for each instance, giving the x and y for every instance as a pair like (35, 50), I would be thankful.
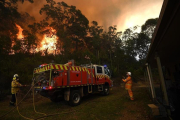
(72, 82)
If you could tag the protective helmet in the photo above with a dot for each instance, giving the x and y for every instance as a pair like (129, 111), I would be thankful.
(16, 77)
(129, 73)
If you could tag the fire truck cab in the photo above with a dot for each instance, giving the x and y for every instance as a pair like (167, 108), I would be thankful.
(57, 81)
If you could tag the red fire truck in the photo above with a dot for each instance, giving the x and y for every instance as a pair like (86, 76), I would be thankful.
(57, 81)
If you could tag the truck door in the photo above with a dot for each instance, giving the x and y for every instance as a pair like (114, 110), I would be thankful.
(99, 74)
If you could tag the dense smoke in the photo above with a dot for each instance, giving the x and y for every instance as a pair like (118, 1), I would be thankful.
(123, 13)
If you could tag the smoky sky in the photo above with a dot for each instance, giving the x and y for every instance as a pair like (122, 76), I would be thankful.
(123, 13)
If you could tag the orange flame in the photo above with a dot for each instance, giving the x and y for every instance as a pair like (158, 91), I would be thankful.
(48, 42)
(20, 34)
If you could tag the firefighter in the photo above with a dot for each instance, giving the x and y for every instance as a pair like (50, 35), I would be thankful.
(128, 85)
(15, 86)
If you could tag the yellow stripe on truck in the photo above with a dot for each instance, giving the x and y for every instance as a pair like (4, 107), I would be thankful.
(65, 67)
(57, 66)
(77, 69)
(61, 67)
(93, 74)
(52, 67)
(73, 68)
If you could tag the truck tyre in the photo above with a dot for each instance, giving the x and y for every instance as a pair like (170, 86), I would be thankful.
(75, 98)
(106, 90)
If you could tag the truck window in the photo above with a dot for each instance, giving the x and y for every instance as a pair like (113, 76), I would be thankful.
(99, 69)
(107, 71)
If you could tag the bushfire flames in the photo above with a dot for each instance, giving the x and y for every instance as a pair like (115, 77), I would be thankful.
(19, 35)
(48, 43)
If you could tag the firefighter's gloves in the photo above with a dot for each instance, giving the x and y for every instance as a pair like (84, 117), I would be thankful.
(124, 80)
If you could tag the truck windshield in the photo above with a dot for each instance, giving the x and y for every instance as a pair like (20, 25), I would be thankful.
(107, 71)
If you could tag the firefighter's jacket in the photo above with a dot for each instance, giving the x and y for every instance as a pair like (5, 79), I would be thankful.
(128, 82)
(15, 86)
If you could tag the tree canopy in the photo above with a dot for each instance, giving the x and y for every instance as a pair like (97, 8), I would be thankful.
(76, 39)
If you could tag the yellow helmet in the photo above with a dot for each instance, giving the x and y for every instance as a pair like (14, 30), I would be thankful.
(16, 77)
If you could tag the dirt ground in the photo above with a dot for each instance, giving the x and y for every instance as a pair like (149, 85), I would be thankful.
(115, 106)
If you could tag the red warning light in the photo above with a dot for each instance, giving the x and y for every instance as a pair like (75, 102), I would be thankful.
(50, 87)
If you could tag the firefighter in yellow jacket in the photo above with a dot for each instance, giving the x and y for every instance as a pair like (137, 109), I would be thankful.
(15, 86)
(128, 85)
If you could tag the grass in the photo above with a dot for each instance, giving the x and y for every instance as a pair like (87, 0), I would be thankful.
(114, 106)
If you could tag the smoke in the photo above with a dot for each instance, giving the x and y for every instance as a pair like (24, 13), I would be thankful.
(123, 13)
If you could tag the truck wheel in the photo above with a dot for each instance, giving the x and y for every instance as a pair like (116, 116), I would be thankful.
(75, 98)
(106, 90)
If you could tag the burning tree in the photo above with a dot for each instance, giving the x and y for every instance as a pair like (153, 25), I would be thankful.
(71, 25)
(28, 41)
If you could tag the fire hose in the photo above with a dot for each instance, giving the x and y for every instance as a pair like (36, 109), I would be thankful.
(42, 117)
(34, 103)
(19, 112)
(33, 107)
(17, 104)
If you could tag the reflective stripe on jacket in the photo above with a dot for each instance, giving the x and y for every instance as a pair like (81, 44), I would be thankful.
(128, 84)
(15, 86)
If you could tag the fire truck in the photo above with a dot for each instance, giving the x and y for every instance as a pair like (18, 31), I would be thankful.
(57, 81)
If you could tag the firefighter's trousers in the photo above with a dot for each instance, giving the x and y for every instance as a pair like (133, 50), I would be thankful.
(130, 94)
(13, 99)
(128, 87)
